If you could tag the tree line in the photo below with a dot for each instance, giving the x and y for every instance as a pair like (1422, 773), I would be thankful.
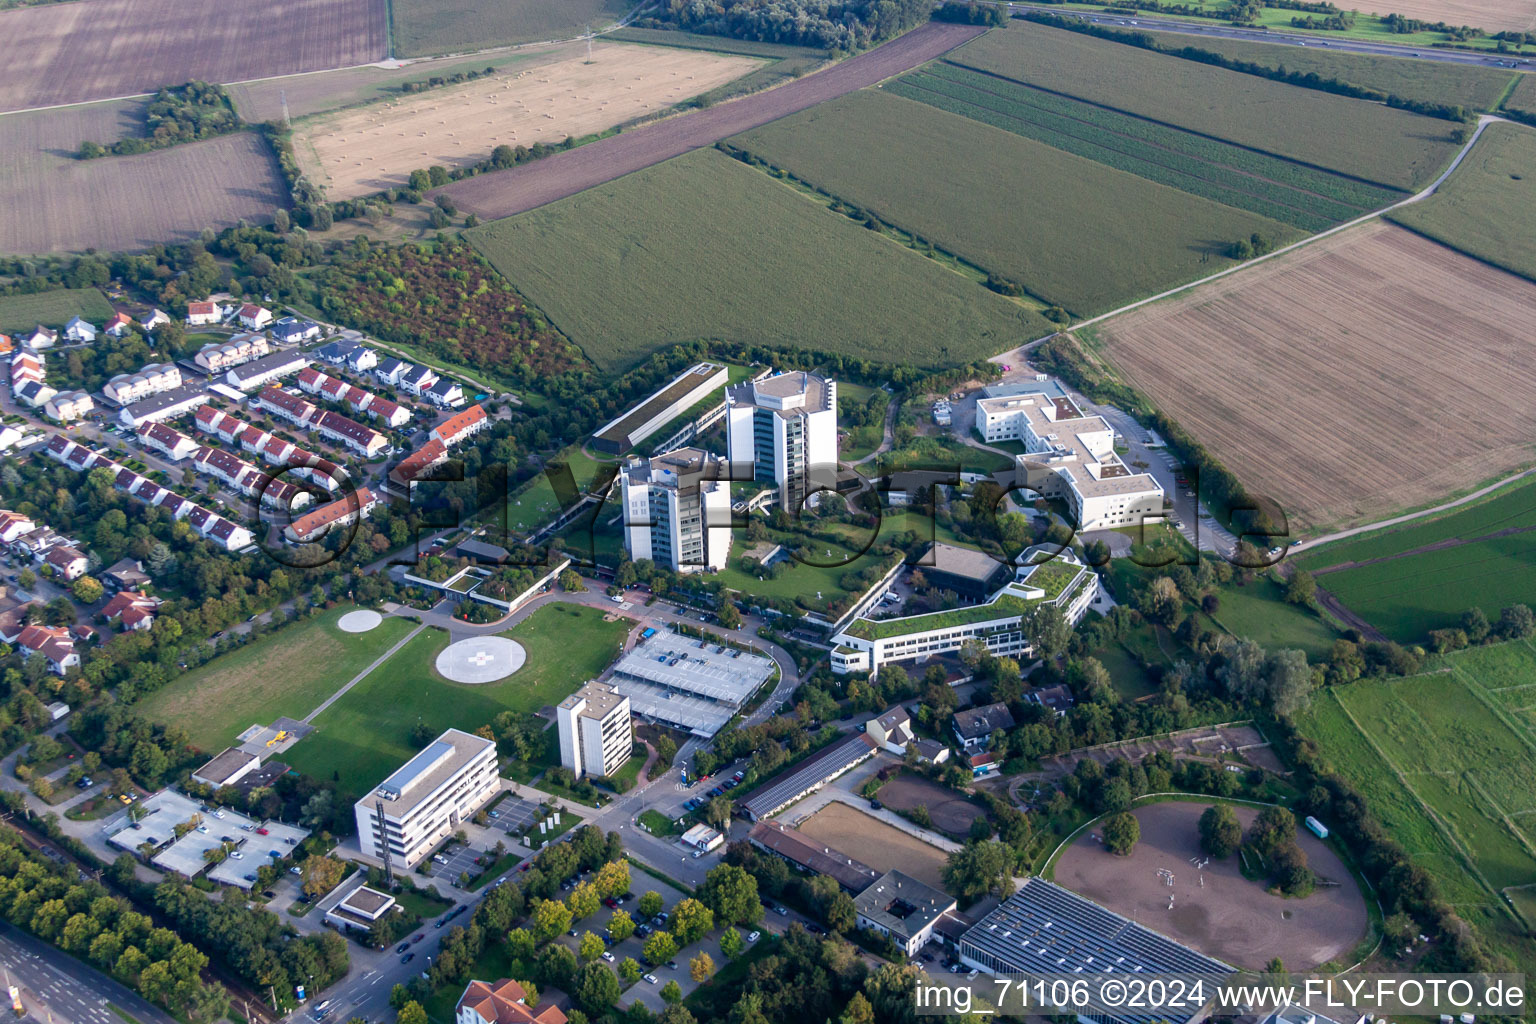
(176, 114)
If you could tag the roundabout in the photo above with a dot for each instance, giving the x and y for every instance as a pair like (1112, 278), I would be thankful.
(360, 621)
(481, 659)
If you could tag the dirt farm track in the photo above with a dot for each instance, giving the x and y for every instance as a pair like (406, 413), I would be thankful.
(103, 49)
(504, 193)
(1227, 917)
(1305, 374)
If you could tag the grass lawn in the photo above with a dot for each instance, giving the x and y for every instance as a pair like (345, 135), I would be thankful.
(762, 265)
(365, 736)
(495, 870)
(659, 824)
(1058, 239)
(526, 771)
(1130, 679)
(813, 587)
(422, 903)
(630, 770)
(1486, 209)
(289, 672)
(52, 308)
(534, 503)
(1259, 612)
(492, 963)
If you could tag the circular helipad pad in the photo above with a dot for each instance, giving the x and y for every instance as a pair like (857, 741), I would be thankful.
(481, 659)
(359, 621)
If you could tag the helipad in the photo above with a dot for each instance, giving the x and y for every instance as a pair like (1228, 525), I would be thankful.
(359, 621)
(483, 659)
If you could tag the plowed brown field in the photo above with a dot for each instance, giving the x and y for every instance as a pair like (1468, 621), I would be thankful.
(1371, 372)
(103, 49)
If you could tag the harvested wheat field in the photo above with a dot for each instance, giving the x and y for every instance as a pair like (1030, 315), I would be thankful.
(361, 151)
(1371, 372)
(104, 49)
(51, 202)
(1493, 15)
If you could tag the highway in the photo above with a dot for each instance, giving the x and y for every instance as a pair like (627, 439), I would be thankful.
(58, 988)
(1334, 40)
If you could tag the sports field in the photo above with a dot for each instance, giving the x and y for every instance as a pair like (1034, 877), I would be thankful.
(367, 733)
(1487, 209)
(1367, 140)
(426, 27)
(706, 247)
(52, 202)
(366, 149)
(1303, 374)
(52, 308)
(883, 847)
(1446, 762)
(956, 182)
(290, 672)
(1284, 190)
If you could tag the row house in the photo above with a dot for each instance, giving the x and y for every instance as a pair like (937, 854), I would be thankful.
(365, 441)
(127, 388)
(244, 478)
(219, 423)
(461, 426)
(168, 441)
(219, 356)
(343, 511)
(28, 386)
(337, 390)
(68, 406)
(200, 314)
(445, 394)
(407, 377)
(433, 453)
(279, 403)
(301, 462)
(354, 356)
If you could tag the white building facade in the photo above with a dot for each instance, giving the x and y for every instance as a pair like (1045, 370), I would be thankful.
(785, 428)
(595, 732)
(677, 510)
(423, 803)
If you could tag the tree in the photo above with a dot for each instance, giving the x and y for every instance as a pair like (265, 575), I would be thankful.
(701, 967)
(650, 903)
(1121, 832)
(671, 993)
(1515, 622)
(26, 579)
(550, 918)
(731, 943)
(691, 921)
(571, 583)
(978, 868)
(596, 989)
(731, 892)
(411, 1013)
(1302, 588)
(321, 875)
(840, 913)
(621, 926)
(87, 590)
(629, 969)
(613, 878)
(521, 943)
(590, 948)
(584, 901)
(659, 948)
(1273, 828)
(1220, 832)
(1047, 630)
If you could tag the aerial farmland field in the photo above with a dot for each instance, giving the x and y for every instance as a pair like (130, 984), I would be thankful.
(953, 180)
(1303, 374)
(428, 27)
(1366, 140)
(1523, 97)
(365, 149)
(67, 53)
(55, 203)
(52, 308)
(1476, 88)
(1487, 208)
(705, 247)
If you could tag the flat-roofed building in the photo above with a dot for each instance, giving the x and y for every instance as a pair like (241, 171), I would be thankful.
(808, 776)
(812, 855)
(971, 573)
(682, 393)
(677, 510)
(167, 405)
(785, 428)
(595, 734)
(1071, 456)
(360, 909)
(227, 768)
(260, 372)
(903, 909)
(702, 838)
(689, 683)
(423, 803)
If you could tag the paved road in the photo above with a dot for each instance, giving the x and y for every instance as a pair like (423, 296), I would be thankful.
(58, 988)
(519, 189)
(1261, 35)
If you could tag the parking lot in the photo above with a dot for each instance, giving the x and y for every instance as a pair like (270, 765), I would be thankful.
(456, 861)
(514, 815)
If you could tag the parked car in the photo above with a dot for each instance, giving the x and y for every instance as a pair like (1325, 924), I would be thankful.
(408, 958)
(402, 947)
(754, 936)
(608, 956)
(650, 979)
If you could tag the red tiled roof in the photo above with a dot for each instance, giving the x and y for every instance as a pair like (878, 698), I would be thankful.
(450, 429)
(500, 1004)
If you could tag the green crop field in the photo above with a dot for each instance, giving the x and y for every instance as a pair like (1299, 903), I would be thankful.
(367, 733)
(705, 247)
(1487, 208)
(957, 182)
(1366, 140)
(1302, 196)
(1513, 507)
(426, 27)
(52, 308)
(1476, 88)
(290, 672)
(1523, 96)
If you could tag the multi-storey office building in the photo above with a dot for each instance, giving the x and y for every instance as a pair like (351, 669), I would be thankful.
(423, 803)
(595, 734)
(785, 428)
(677, 510)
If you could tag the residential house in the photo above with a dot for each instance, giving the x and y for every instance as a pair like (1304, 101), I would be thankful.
(68, 406)
(892, 731)
(254, 317)
(292, 330)
(260, 372)
(431, 454)
(79, 331)
(219, 423)
(502, 1003)
(201, 313)
(285, 406)
(126, 573)
(119, 325)
(7, 344)
(220, 356)
(68, 562)
(168, 441)
(389, 371)
(365, 441)
(14, 525)
(337, 390)
(445, 394)
(155, 319)
(417, 379)
(975, 726)
(40, 338)
(343, 511)
(132, 610)
(152, 379)
(461, 426)
(13, 614)
(51, 642)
